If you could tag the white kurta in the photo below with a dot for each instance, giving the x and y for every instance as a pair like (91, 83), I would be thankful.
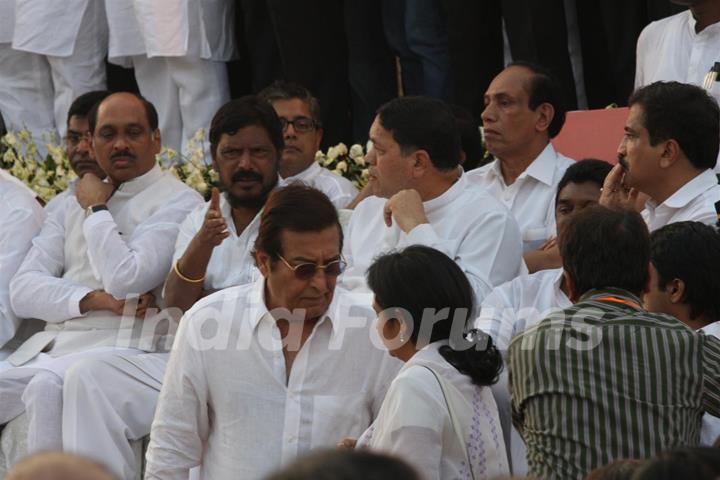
(21, 217)
(507, 311)
(466, 224)
(531, 198)
(339, 189)
(694, 201)
(126, 250)
(414, 422)
(228, 405)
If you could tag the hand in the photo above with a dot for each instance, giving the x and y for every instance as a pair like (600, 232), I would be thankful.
(90, 190)
(101, 300)
(615, 194)
(145, 302)
(407, 209)
(214, 229)
(347, 443)
(548, 245)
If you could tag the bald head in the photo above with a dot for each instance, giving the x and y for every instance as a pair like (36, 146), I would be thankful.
(150, 111)
(58, 466)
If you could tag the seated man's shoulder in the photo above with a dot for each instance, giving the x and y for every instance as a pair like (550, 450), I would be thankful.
(663, 26)
(227, 303)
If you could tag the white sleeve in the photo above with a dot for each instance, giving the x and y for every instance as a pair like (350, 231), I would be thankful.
(411, 426)
(187, 231)
(142, 262)
(497, 316)
(490, 253)
(640, 54)
(181, 424)
(20, 220)
(40, 277)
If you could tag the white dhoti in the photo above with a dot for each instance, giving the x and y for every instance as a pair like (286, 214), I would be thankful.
(108, 402)
(186, 92)
(37, 389)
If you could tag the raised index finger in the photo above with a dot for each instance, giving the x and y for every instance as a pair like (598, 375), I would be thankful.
(215, 199)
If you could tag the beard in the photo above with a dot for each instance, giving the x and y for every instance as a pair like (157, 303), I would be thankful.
(254, 202)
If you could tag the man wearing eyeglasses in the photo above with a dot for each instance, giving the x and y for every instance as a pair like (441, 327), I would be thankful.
(110, 401)
(288, 366)
(299, 114)
(77, 143)
(104, 247)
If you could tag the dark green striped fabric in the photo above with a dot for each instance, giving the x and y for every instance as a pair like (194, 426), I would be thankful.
(604, 380)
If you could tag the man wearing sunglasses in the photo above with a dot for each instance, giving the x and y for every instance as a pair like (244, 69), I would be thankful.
(110, 401)
(299, 114)
(291, 365)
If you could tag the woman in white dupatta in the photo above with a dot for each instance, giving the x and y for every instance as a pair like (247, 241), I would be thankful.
(439, 413)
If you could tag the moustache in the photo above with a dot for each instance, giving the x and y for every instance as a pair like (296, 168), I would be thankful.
(244, 175)
(622, 161)
(124, 153)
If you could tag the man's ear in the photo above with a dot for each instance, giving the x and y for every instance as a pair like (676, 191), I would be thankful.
(570, 287)
(671, 153)
(421, 163)
(263, 262)
(156, 139)
(546, 113)
(676, 291)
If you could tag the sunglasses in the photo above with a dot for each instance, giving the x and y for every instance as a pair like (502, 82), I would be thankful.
(306, 271)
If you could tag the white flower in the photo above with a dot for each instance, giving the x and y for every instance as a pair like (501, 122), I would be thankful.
(342, 167)
(360, 161)
(332, 154)
(341, 149)
(356, 151)
(10, 139)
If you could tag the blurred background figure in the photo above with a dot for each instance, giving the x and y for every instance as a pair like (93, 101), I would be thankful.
(346, 465)
(58, 466)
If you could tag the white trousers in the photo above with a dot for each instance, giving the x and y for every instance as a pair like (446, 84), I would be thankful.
(186, 93)
(36, 90)
(37, 389)
(110, 401)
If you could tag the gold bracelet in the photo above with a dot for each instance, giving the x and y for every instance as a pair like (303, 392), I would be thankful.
(189, 280)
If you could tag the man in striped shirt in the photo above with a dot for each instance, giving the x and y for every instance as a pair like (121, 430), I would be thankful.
(605, 379)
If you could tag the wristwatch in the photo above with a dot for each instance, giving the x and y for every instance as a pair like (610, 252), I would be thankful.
(95, 208)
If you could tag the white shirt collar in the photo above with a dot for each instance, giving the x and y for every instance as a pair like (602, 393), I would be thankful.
(448, 196)
(306, 175)
(541, 169)
(138, 184)
(689, 191)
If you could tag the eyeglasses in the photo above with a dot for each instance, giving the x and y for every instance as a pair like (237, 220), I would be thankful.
(306, 271)
(74, 139)
(300, 124)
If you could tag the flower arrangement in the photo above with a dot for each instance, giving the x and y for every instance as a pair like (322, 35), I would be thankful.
(346, 163)
(48, 176)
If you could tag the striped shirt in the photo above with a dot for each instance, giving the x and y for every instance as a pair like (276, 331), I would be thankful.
(604, 380)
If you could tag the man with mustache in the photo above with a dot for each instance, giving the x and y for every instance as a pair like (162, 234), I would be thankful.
(523, 111)
(668, 153)
(110, 401)
(77, 143)
(299, 114)
(102, 248)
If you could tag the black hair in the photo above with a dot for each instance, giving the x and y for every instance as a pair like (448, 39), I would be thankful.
(346, 465)
(602, 247)
(470, 138)
(282, 90)
(698, 463)
(243, 112)
(689, 251)
(684, 113)
(544, 87)
(582, 171)
(81, 106)
(298, 208)
(419, 278)
(150, 112)
(422, 123)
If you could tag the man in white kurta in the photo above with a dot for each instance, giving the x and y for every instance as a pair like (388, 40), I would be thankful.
(111, 400)
(178, 49)
(428, 201)
(299, 113)
(519, 120)
(269, 384)
(668, 153)
(21, 217)
(101, 248)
